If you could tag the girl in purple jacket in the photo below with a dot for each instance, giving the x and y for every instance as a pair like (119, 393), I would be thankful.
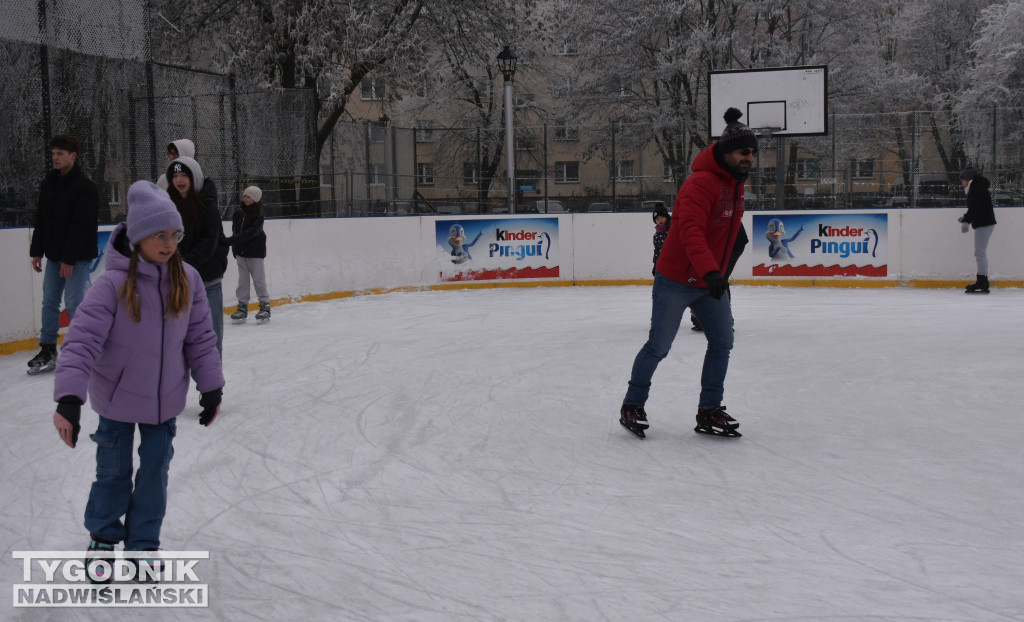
(143, 325)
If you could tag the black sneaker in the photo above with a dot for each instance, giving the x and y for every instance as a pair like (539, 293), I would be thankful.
(716, 422)
(634, 418)
(100, 550)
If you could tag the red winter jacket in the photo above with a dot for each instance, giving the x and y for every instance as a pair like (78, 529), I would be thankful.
(705, 221)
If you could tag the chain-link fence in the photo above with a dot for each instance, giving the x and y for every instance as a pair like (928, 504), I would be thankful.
(84, 69)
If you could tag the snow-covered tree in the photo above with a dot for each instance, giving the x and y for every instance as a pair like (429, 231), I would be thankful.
(645, 66)
(327, 46)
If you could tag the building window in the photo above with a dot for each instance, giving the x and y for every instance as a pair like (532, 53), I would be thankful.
(425, 173)
(470, 175)
(372, 89)
(526, 143)
(376, 175)
(528, 177)
(624, 170)
(809, 169)
(377, 133)
(567, 131)
(862, 169)
(425, 132)
(326, 180)
(567, 172)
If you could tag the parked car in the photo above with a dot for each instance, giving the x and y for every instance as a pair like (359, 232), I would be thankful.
(552, 207)
(599, 207)
(650, 206)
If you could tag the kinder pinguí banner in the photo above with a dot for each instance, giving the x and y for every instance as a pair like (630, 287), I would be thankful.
(484, 249)
(820, 245)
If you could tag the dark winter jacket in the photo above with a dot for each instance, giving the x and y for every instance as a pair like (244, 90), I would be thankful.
(979, 204)
(137, 372)
(706, 220)
(659, 241)
(205, 246)
(247, 236)
(67, 218)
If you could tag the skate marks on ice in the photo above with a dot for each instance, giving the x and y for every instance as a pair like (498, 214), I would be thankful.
(456, 456)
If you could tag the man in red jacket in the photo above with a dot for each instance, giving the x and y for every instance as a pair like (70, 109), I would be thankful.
(705, 222)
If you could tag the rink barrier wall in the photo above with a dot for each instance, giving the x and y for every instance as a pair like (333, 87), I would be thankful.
(333, 258)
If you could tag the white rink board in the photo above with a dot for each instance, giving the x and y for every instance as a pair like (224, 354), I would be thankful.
(311, 257)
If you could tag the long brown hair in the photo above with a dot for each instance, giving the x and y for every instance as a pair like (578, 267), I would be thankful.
(179, 299)
(188, 206)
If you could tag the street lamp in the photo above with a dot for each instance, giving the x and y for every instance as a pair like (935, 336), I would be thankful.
(507, 64)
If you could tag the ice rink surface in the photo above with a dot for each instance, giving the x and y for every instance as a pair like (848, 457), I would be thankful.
(456, 456)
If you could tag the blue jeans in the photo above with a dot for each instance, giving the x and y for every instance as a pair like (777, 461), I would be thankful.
(71, 289)
(669, 300)
(215, 295)
(112, 495)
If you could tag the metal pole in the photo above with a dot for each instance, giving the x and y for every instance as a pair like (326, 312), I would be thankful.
(545, 163)
(510, 153)
(780, 173)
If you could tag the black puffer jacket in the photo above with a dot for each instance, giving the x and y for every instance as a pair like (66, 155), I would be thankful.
(247, 236)
(67, 218)
(205, 245)
(979, 204)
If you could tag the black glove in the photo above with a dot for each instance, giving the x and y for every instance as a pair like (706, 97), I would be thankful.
(716, 284)
(209, 401)
(70, 407)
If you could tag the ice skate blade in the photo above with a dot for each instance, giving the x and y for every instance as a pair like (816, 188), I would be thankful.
(237, 322)
(35, 371)
(712, 432)
(978, 292)
(637, 432)
(266, 321)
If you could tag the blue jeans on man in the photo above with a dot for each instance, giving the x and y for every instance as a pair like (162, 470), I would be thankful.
(55, 287)
(112, 495)
(669, 300)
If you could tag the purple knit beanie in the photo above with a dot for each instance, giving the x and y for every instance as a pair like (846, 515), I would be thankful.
(150, 210)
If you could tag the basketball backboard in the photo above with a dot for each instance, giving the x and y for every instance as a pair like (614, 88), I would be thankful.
(792, 101)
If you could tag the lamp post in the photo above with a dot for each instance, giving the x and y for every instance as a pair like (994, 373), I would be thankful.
(507, 64)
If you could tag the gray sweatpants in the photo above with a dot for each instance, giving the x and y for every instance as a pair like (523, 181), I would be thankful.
(981, 237)
(251, 267)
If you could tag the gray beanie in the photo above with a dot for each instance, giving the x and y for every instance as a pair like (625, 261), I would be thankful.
(968, 174)
(150, 210)
(188, 166)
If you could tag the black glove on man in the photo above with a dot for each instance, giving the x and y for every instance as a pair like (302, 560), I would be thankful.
(716, 284)
(209, 401)
(70, 407)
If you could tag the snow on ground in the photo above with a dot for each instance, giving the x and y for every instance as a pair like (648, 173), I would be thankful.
(456, 456)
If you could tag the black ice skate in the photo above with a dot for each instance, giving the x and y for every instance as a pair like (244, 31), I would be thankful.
(978, 287)
(45, 361)
(238, 317)
(634, 419)
(263, 315)
(100, 550)
(716, 422)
